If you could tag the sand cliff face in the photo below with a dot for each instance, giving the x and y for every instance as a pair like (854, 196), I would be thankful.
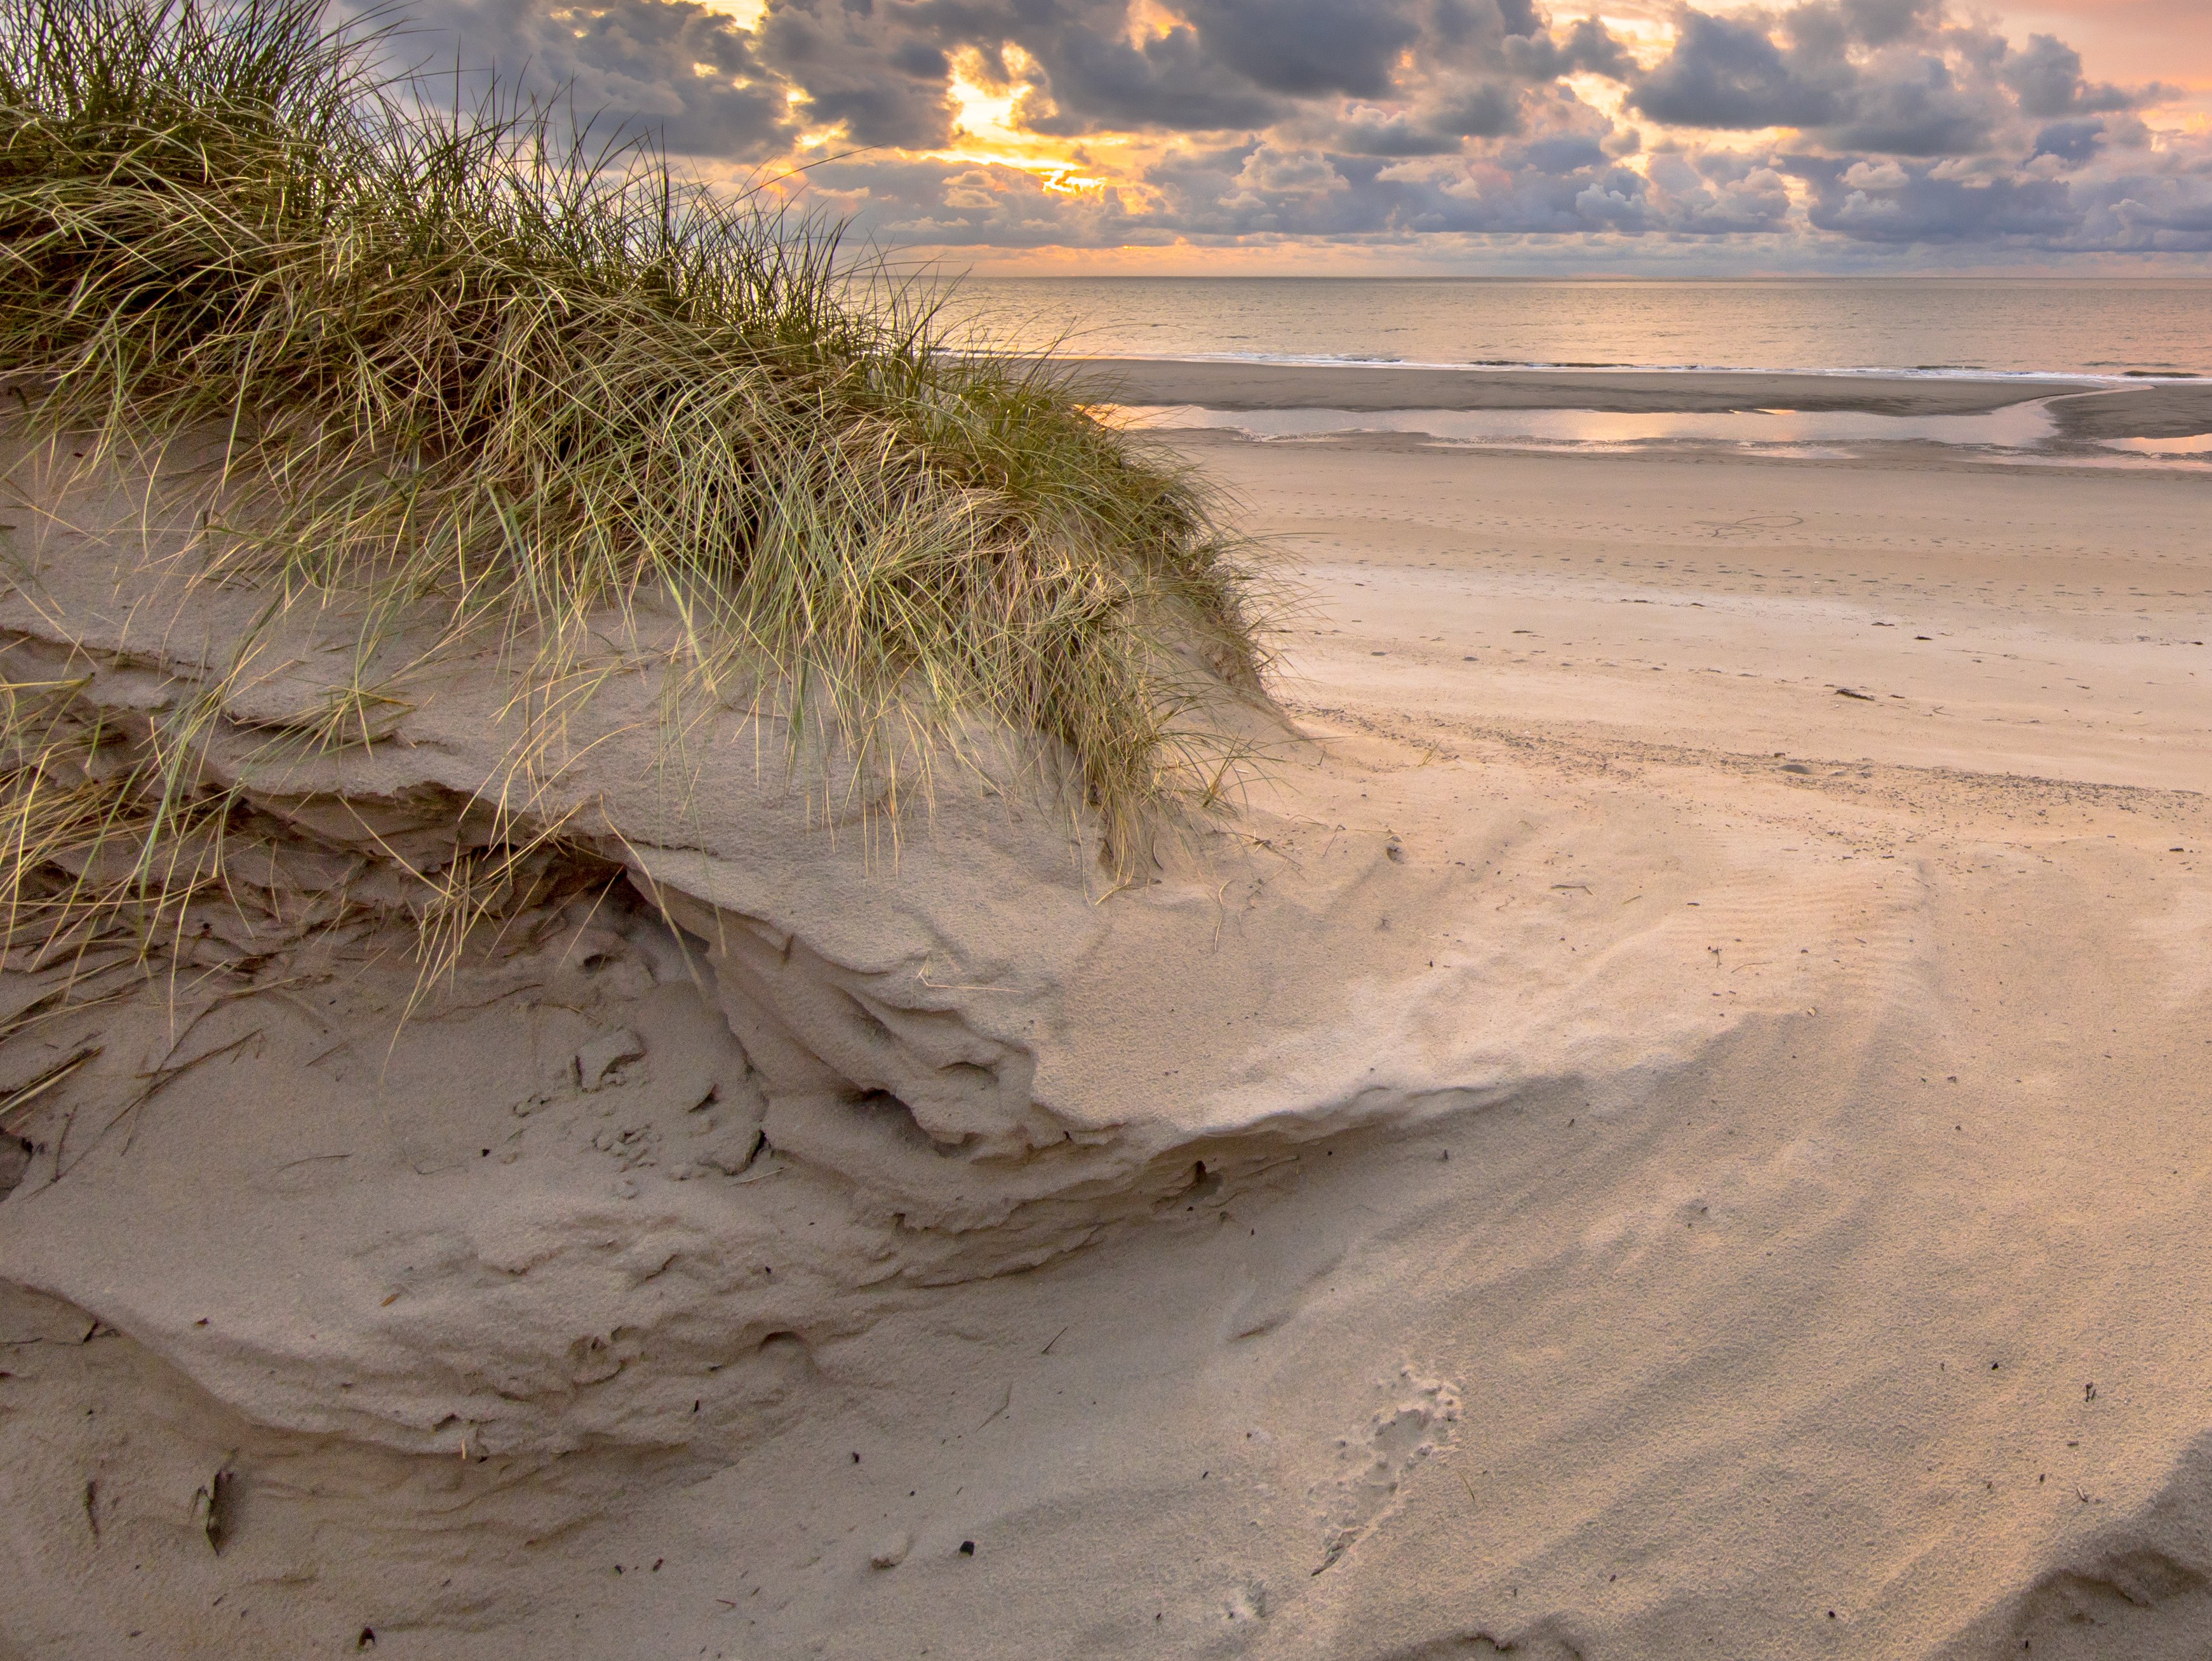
(1508, 1187)
(712, 1020)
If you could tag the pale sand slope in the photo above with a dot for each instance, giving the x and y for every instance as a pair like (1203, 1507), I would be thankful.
(1666, 1197)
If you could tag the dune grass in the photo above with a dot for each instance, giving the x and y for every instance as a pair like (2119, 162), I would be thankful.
(464, 367)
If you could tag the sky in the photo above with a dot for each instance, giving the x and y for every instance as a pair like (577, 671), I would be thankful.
(1414, 137)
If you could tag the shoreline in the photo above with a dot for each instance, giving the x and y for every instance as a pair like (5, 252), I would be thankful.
(2085, 407)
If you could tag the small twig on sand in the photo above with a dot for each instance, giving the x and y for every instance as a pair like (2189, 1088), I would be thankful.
(1468, 1485)
(46, 1081)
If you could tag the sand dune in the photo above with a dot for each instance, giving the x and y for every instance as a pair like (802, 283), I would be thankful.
(1671, 1124)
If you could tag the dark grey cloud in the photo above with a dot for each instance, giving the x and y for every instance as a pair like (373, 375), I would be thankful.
(2074, 141)
(1879, 22)
(1910, 103)
(669, 67)
(2048, 80)
(883, 86)
(1479, 109)
(1439, 123)
(1515, 36)
(1732, 75)
(1305, 47)
(1099, 83)
(1588, 45)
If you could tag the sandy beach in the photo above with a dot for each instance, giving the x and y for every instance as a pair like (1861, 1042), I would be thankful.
(1670, 1124)
(708, 955)
(2045, 623)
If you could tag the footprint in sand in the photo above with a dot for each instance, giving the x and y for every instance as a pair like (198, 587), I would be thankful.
(1372, 1465)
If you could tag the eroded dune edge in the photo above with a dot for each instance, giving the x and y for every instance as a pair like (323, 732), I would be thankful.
(729, 1070)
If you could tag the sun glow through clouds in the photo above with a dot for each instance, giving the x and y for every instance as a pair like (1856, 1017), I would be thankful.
(987, 129)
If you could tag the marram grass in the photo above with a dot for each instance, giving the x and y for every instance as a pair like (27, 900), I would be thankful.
(466, 371)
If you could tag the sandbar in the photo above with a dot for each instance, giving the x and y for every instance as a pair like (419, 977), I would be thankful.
(1238, 386)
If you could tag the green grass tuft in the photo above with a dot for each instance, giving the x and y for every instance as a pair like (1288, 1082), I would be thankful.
(479, 373)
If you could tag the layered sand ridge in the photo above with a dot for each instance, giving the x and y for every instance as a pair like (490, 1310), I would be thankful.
(1553, 1174)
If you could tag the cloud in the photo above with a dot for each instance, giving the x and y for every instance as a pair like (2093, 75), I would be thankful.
(1715, 195)
(1439, 123)
(1875, 75)
(1917, 205)
(1731, 75)
(2073, 142)
(1560, 183)
(881, 86)
(1879, 22)
(2123, 208)
(2048, 80)
(1304, 47)
(686, 74)
(1840, 124)
(1536, 54)
(1906, 102)
(1886, 76)
(1270, 172)
(1101, 82)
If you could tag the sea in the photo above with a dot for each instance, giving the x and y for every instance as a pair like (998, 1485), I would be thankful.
(2119, 328)
(2120, 332)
